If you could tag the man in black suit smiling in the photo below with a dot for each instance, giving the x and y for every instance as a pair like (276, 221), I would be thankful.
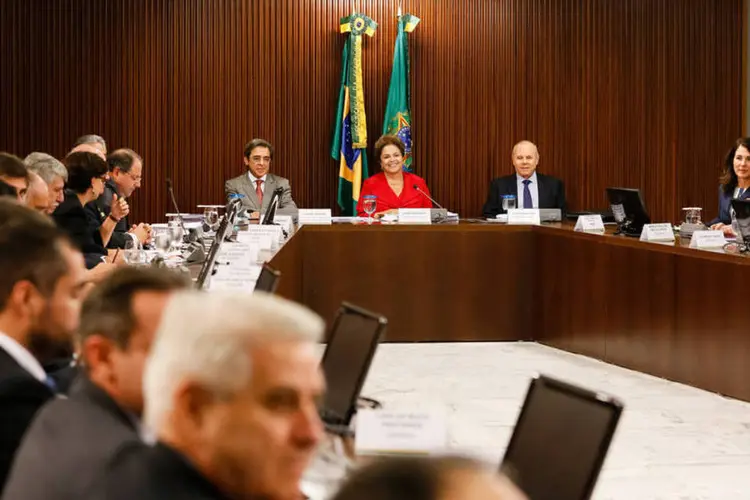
(531, 189)
(41, 284)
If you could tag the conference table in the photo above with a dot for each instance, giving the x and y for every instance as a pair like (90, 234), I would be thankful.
(663, 309)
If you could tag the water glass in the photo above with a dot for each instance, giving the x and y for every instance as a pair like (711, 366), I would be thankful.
(162, 240)
(133, 253)
(693, 215)
(370, 203)
(509, 202)
(211, 218)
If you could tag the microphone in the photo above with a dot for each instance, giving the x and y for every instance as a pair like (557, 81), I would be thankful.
(416, 188)
(174, 204)
(195, 251)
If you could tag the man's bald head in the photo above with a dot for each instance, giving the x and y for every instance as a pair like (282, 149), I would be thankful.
(525, 157)
(89, 148)
(37, 196)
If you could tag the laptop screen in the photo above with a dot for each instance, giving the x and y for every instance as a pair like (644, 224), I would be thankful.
(351, 347)
(560, 441)
(742, 215)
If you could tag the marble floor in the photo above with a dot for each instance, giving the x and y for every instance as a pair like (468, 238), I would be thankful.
(673, 441)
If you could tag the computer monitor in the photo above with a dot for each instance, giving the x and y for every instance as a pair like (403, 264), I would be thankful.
(273, 205)
(268, 280)
(742, 215)
(560, 440)
(351, 346)
(629, 210)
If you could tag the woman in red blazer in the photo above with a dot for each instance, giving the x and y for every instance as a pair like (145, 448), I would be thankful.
(393, 187)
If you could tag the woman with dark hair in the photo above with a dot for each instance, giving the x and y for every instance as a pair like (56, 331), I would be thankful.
(735, 182)
(87, 174)
(393, 188)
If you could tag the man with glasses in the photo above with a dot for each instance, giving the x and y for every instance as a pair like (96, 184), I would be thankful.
(125, 174)
(257, 185)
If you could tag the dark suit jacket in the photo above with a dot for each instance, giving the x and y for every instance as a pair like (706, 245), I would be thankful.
(68, 445)
(242, 185)
(142, 472)
(725, 206)
(102, 206)
(21, 397)
(83, 228)
(551, 194)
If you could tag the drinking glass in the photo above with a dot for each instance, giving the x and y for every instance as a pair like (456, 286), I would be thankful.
(176, 233)
(133, 254)
(693, 215)
(370, 203)
(211, 218)
(509, 202)
(162, 240)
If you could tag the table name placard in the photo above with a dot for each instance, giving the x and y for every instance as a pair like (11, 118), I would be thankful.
(240, 254)
(414, 216)
(314, 216)
(657, 232)
(227, 278)
(589, 224)
(708, 239)
(524, 216)
(383, 432)
(263, 241)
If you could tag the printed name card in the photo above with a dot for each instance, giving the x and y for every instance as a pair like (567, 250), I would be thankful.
(240, 254)
(707, 239)
(284, 221)
(524, 216)
(590, 224)
(314, 216)
(384, 432)
(414, 216)
(262, 241)
(657, 232)
(240, 279)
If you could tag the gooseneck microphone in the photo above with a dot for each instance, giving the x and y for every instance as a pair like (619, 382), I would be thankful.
(174, 204)
(416, 188)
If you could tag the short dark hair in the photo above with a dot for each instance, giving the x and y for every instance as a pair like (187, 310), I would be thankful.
(90, 139)
(388, 140)
(108, 309)
(255, 143)
(7, 190)
(12, 167)
(123, 159)
(30, 249)
(728, 177)
(82, 168)
(403, 478)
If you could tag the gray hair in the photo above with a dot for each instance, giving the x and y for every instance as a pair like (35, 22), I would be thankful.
(92, 139)
(204, 337)
(46, 166)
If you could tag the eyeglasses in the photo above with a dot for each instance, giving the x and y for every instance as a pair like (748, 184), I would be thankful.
(136, 178)
(260, 159)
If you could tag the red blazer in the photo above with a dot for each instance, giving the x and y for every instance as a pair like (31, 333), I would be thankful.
(387, 199)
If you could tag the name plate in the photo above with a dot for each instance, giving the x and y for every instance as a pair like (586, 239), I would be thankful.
(240, 254)
(262, 241)
(414, 216)
(314, 216)
(285, 221)
(657, 232)
(524, 216)
(388, 432)
(590, 224)
(708, 239)
(240, 279)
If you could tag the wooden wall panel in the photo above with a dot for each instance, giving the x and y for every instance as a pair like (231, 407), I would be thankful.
(642, 93)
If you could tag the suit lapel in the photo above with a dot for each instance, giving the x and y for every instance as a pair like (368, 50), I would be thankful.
(745, 194)
(249, 191)
(268, 191)
(540, 185)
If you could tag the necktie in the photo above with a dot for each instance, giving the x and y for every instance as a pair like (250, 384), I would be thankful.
(259, 191)
(527, 203)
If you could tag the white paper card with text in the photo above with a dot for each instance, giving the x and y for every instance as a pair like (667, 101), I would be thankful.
(385, 432)
(524, 216)
(227, 278)
(239, 254)
(314, 216)
(414, 216)
(708, 239)
(657, 232)
(263, 241)
(285, 221)
(589, 224)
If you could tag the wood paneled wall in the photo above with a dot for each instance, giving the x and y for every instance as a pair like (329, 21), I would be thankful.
(640, 93)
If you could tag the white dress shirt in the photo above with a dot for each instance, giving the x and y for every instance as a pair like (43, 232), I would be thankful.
(262, 184)
(23, 357)
(533, 188)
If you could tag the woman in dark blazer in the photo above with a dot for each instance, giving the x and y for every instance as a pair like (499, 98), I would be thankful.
(735, 182)
(87, 174)
(393, 187)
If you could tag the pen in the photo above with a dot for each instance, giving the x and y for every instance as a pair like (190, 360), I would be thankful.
(114, 259)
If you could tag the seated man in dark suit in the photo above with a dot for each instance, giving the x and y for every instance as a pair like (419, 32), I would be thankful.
(125, 174)
(531, 189)
(40, 293)
(70, 440)
(231, 388)
(257, 185)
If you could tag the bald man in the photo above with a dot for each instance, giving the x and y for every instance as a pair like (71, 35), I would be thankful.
(531, 189)
(37, 196)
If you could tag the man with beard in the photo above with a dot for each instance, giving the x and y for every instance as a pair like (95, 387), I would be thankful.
(40, 298)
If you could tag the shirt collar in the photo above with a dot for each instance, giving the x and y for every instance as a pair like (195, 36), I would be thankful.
(253, 178)
(23, 357)
(532, 178)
